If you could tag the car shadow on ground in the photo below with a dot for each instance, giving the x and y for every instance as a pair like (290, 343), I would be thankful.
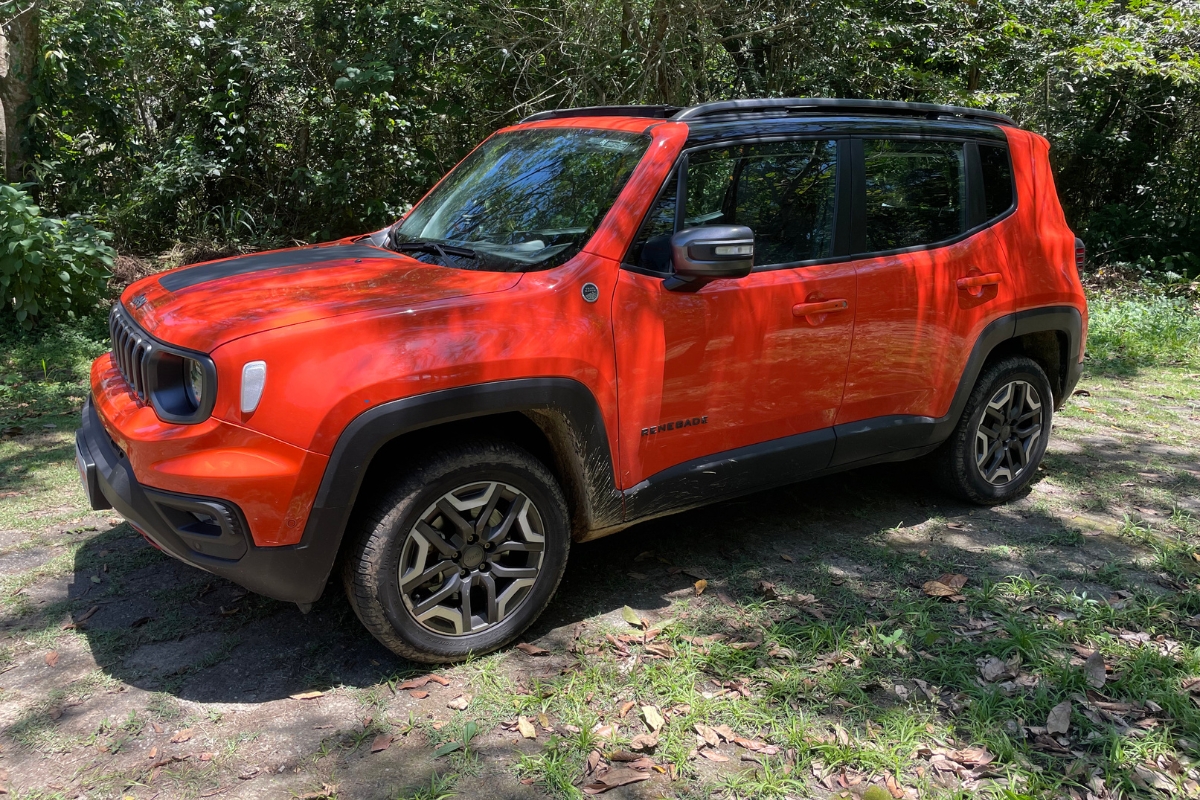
(157, 624)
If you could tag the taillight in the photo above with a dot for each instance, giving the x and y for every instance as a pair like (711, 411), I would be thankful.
(1080, 254)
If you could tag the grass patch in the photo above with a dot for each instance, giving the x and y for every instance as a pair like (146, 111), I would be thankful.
(1127, 332)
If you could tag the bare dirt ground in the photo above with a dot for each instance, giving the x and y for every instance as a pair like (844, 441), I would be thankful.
(126, 674)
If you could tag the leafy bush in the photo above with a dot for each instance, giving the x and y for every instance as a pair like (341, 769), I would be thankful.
(1126, 330)
(49, 268)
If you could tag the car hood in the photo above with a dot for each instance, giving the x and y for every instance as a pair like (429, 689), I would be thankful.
(202, 306)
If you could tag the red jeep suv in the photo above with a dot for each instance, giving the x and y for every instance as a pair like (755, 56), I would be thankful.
(601, 316)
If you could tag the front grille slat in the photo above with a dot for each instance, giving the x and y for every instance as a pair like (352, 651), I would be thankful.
(131, 351)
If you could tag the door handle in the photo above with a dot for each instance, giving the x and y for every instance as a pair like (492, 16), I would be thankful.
(979, 281)
(819, 307)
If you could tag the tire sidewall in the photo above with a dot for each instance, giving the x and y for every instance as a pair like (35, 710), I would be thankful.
(550, 506)
(986, 491)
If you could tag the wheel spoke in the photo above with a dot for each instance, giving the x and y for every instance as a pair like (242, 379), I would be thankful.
(434, 537)
(514, 511)
(416, 581)
(501, 571)
(464, 526)
(465, 596)
(493, 610)
(493, 497)
(428, 604)
(513, 546)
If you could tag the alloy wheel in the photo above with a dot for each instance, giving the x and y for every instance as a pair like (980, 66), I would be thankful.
(472, 558)
(1008, 433)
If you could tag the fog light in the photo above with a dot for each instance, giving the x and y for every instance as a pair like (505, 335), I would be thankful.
(254, 380)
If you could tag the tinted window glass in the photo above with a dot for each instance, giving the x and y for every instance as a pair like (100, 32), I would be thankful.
(783, 191)
(652, 248)
(528, 199)
(997, 179)
(916, 193)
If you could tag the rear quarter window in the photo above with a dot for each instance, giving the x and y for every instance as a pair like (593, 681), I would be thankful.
(998, 193)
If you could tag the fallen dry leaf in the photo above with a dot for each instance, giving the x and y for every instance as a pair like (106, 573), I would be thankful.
(653, 717)
(417, 694)
(661, 650)
(707, 734)
(787, 558)
(767, 590)
(544, 721)
(532, 649)
(993, 669)
(459, 703)
(207, 756)
(644, 742)
(306, 695)
(614, 778)
(182, 736)
(1093, 668)
(526, 728)
(51, 658)
(713, 755)
(625, 708)
(1059, 720)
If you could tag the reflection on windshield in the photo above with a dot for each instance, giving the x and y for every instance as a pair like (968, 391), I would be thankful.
(523, 200)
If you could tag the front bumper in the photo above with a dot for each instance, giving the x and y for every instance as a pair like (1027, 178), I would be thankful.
(208, 533)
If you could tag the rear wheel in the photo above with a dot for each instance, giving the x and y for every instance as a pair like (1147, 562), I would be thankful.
(462, 555)
(995, 449)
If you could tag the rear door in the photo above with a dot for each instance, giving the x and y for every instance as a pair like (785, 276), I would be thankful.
(931, 274)
(737, 362)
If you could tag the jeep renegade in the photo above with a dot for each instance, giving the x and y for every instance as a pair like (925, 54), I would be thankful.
(600, 316)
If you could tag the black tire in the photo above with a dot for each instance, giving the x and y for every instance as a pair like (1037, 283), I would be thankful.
(389, 533)
(958, 459)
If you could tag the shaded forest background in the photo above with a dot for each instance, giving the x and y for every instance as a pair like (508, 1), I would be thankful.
(256, 124)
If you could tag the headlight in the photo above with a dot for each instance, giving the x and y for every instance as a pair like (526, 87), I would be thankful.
(194, 381)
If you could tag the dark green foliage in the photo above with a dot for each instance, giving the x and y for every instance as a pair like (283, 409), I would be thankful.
(48, 267)
(259, 123)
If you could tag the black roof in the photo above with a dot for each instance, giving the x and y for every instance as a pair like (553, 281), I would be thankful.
(787, 106)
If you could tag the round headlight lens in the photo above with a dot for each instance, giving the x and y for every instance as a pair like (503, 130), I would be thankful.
(194, 381)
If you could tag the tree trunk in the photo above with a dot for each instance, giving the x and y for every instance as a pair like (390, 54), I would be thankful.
(18, 61)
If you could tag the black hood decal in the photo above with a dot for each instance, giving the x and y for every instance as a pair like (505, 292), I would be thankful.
(240, 265)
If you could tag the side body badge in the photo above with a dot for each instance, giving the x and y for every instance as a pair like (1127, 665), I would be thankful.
(591, 292)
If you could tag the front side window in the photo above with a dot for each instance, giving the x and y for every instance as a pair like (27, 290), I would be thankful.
(523, 200)
(915, 193)
(785, 192)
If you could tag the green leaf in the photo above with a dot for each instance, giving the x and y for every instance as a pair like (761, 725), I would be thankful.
(631, 616)
(447, 749)
(469, 731)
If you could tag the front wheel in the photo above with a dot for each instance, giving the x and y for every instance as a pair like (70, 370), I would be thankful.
(462, 555)
(995, 449)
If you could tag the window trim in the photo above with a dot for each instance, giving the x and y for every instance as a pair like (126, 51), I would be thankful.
(841, 198)
(849, 229)
(974, 179)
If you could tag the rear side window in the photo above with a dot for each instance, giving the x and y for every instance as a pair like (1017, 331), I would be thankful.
(915, 193)
(785, 192)
(997, 179)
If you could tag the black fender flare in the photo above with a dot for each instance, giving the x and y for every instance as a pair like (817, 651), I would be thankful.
(904, 436)
(559, 406)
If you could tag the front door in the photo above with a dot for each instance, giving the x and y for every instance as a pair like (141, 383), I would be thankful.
(738, 362)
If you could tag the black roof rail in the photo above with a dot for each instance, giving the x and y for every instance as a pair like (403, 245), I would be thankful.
(809, 105)
(837, 105)
(653, 112)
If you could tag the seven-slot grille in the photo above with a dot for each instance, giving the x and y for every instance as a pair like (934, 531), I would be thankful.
(131, 349)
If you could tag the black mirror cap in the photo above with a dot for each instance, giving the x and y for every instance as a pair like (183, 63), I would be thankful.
(713, 251)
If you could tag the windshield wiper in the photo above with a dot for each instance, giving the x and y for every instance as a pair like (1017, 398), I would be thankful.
(435, 248)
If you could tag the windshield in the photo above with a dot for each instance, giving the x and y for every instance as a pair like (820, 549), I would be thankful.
(522, 201)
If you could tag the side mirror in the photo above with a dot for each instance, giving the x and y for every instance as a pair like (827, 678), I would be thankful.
(711, 252)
